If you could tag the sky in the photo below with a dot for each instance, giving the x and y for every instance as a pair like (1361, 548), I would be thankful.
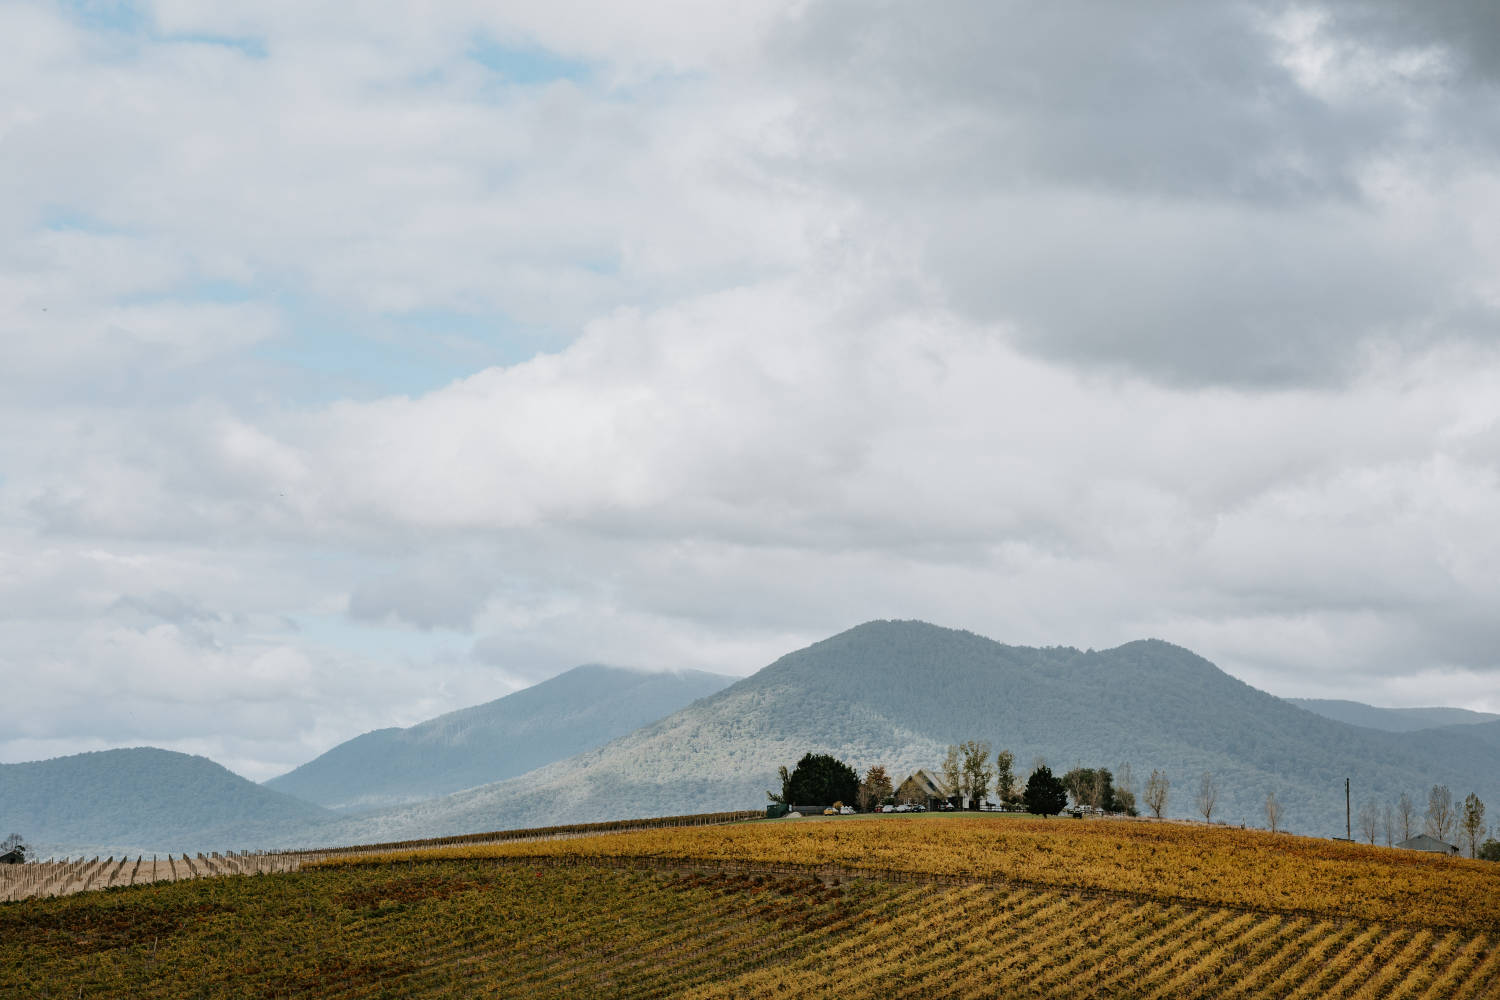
(363, 362)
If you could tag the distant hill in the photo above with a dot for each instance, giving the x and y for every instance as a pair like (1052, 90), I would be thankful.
(583, 708)
(1392, 720)
(896, 693)
(144, 800)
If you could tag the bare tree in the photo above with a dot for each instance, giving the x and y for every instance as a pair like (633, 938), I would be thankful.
(1388, 823)
(1369, 820)
(1156, 793)
(14, 844)
(1208, 796)
(1406, 812)
(1440, 814)
(1273, 812)
(1472, 822)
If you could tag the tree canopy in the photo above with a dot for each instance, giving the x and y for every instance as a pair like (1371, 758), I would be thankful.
(1045, 795)
(820, 779)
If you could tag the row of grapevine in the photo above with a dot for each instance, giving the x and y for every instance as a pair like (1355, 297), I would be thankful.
(463, 928)
(57, 878)
(1246, 869)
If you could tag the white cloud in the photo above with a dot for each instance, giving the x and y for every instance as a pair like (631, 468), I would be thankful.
(829, 324)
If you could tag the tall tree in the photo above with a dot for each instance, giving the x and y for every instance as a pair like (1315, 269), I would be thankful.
(1079, 784)
(1091, 786)
(1440, 813)
(1005, 777)
(1125, 790)
(1273, 812)
(1208, 796)
(875, 789)
(1045, 795)
(952, 772)
(976, 771)
(1388, 823)
(1156, 793)
(1472, 823)
(782, 796)
(1406, 814)
(1369, 820)
(822, 780)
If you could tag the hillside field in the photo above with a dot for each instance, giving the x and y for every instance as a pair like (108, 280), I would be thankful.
(955, 906)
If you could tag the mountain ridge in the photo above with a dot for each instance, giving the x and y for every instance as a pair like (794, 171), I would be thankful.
(896, 693)
(144, 800)
(1392, 720)
(556, 718)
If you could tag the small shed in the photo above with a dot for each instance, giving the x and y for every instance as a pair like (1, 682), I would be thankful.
(15, 857)
(1422, 842)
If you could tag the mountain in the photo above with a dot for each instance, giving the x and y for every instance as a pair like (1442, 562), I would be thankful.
(1392, 720)
(896, 693)
(570, 713)
(144, 800)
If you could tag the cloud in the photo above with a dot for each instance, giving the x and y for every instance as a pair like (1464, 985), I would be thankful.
(1203, 193)
(352, 374)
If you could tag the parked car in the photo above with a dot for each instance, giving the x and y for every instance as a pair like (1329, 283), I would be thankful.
(848, 811)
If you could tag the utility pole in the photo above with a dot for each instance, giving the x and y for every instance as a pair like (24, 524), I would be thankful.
(1348, 829)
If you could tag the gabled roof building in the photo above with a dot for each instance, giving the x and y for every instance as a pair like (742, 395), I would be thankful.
(1422, 842)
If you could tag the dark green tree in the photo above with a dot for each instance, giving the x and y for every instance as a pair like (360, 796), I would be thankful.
(1490, 851)
(821, 780)
(1045, 795)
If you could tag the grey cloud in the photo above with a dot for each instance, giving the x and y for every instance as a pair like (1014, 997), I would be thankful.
(1150, 187)
(1174, 97)
(1469, 29)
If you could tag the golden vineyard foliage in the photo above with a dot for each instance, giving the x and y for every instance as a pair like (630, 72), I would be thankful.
(1203, 864)
(467, 928)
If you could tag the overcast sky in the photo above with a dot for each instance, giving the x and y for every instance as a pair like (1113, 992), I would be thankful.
(359, 363)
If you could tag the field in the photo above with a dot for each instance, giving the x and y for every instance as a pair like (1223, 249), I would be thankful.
(822, 907)
(61, 878)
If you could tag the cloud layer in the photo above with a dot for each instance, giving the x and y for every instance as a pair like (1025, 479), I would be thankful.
(358, 366)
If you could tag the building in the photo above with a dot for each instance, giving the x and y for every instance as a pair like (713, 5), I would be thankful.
(921, 789)
(1422, 842)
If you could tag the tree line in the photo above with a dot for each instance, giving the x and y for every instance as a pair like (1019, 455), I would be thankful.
(1462, 824)
(968, 774)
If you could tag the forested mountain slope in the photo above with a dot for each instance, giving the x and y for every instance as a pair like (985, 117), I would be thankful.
(896, 692)
(144, 800)
(572, 712)
(1393, 720)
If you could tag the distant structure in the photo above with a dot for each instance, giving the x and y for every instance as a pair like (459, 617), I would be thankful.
(14, 857)
(1422, 842)
(920, 787)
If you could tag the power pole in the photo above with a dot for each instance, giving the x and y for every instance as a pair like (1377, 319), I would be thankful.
(1348, 829)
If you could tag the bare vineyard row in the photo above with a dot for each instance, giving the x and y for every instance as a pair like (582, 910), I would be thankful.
(61, 878)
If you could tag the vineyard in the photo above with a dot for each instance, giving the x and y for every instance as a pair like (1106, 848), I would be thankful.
(814, 907)
(61, 878)
(1273, 873)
